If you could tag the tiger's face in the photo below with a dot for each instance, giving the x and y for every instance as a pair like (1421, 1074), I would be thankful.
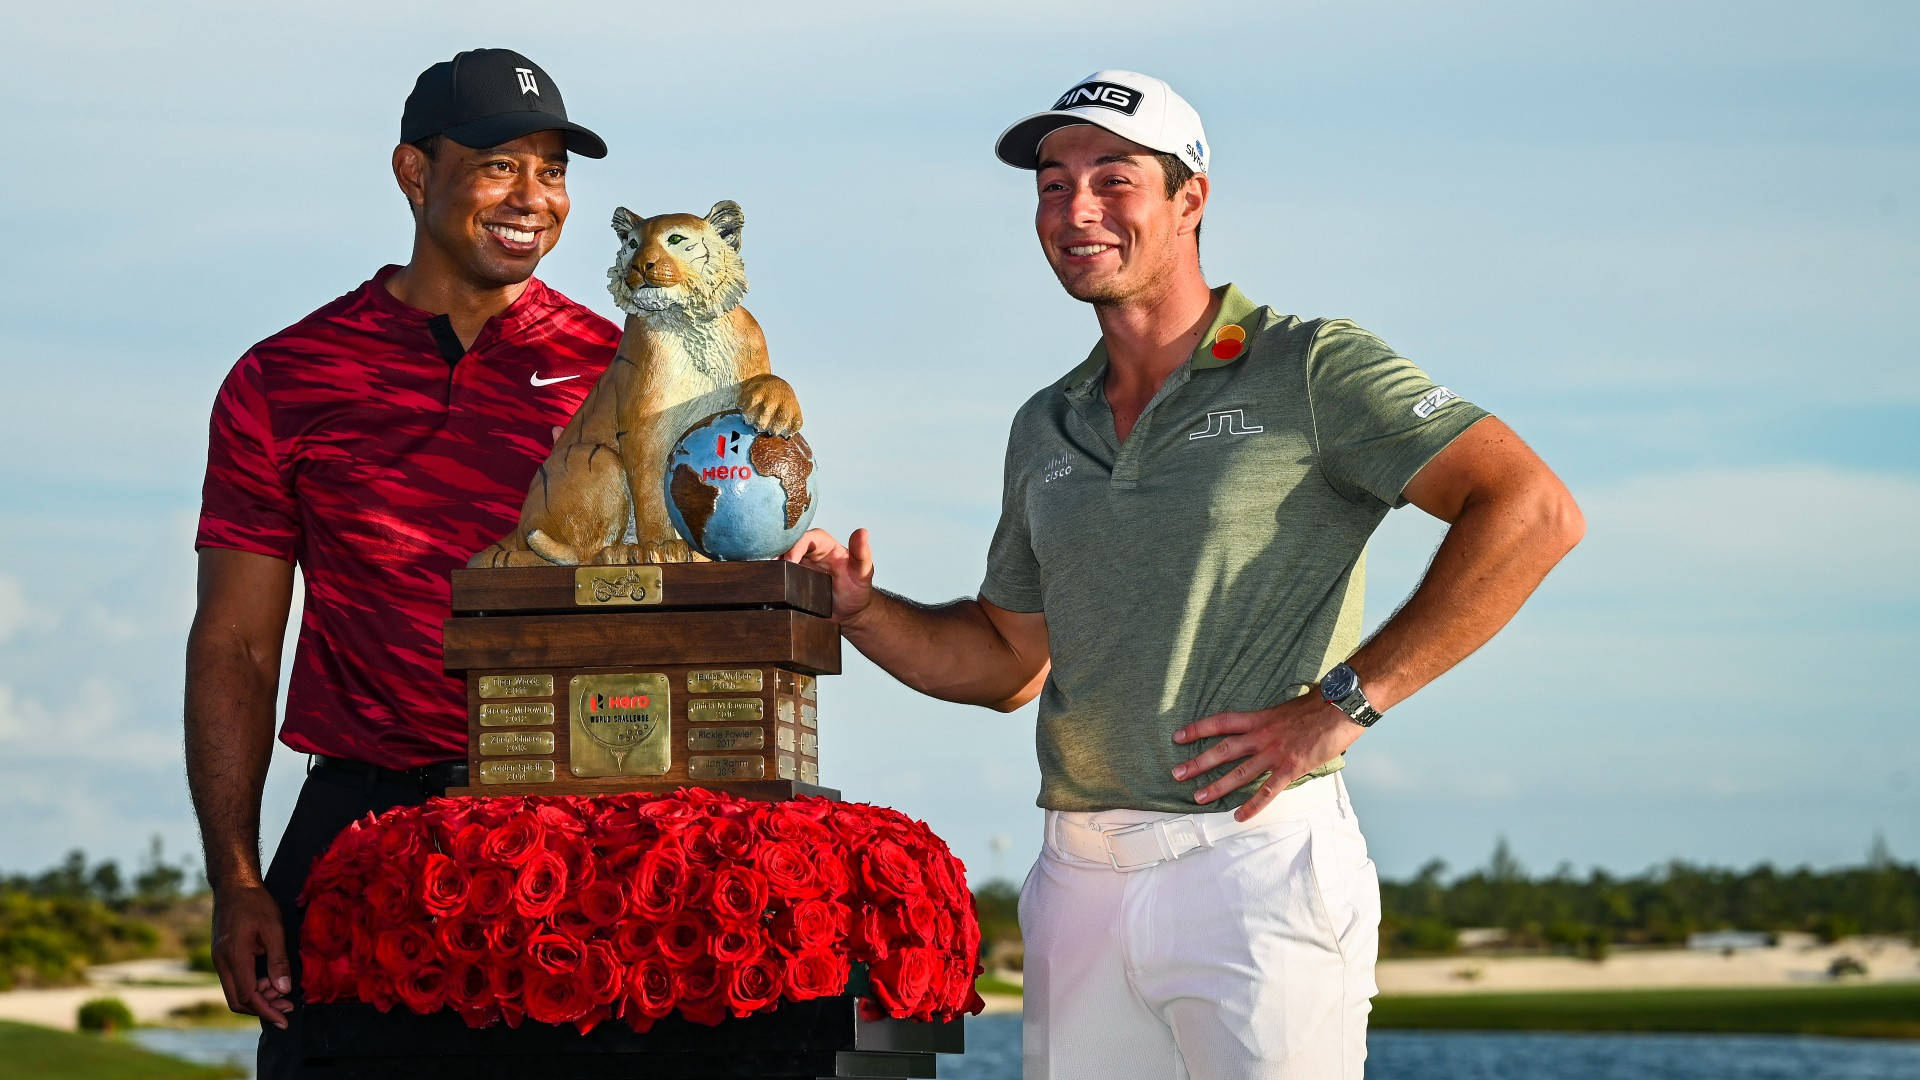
(679, 264)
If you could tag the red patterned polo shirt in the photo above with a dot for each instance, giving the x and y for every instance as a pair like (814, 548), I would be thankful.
(363, 444)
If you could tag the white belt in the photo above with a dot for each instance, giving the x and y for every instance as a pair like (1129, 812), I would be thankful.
(1130, 840)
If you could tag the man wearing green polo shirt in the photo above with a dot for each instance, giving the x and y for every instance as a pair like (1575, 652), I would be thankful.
(1177, 574)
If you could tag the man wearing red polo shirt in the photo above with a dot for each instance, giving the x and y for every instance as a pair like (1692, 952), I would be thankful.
(376, 444)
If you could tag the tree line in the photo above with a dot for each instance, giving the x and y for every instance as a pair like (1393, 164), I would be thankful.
(56, 922)
(1589, 915)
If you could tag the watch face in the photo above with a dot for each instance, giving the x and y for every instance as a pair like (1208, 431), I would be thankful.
(1338, 683)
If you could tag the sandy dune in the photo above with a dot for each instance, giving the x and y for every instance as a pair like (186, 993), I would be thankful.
(1796, 961)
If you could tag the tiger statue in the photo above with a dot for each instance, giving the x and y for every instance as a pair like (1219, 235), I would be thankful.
(688, 350)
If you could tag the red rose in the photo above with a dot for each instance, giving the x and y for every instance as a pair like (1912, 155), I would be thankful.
(788, 870)
(508, 982)
(462, 938)
(903, 979)
(819, 973)
(754, 985)
(402, 949)
(867, 934)
(555, 999)
(735, 944)
(809, 925)
(636, 939)
(508, 935)
(555, 954)
(424, 989)
(739, 895)
(390, 899)
(489, 891)
(570, 920)
(733, 838)
(889, 870)
(657, 891)
(683, 939)
(541, 884)
(468, 843)
(399, 837)
(327, 926)
(650, 991)
(602, 903)
(700, 847)
(513, 841)
(702, 992)
(562, 815)
(443, 886)
(577, 856)
(912, 921)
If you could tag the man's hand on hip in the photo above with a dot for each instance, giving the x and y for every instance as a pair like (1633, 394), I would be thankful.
(851, 566)
(246, 925)
(1288, 741)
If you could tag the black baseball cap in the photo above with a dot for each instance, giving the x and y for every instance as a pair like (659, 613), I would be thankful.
(485, 97)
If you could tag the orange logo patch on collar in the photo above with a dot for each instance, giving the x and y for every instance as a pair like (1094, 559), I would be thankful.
(1229, 342)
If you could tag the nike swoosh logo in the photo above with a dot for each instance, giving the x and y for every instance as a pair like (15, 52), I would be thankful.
(536, 380)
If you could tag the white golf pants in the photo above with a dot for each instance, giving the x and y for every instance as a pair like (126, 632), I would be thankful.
(1247, 954)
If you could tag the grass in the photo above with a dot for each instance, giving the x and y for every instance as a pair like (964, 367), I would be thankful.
(1869, 1010)
(988, 984)
(28, 1052)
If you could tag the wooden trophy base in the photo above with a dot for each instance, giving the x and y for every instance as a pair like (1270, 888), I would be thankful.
(597, 680)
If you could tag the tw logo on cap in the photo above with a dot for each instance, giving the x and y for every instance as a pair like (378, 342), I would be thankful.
(527, 85)
(1121, 99)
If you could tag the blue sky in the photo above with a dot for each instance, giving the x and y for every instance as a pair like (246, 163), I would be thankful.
(1677, 246)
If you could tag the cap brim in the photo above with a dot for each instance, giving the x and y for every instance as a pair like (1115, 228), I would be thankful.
(506, 127)
(1019, 145)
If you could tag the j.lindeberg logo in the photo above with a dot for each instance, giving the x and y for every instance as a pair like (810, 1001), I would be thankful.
(527, 85)
(1056, 468)
(1226, 422)
(1106, 95)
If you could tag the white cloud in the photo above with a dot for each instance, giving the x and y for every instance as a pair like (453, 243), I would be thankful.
(15, 613)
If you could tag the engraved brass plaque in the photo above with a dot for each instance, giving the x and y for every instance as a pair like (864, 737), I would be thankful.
(726, 681)
(508, 743)
(786, 766)
(618, 725)
(809, 688)
(516, 686)
(708, 767)
(807, 717)
(616, 586)
(726, 738)
(809, 773)
(517, 714)
(810, 745)
(726, 710)
(784, 708)
(783, 738)
(516, 772)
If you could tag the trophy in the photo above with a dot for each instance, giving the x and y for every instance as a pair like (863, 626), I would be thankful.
(633, 632)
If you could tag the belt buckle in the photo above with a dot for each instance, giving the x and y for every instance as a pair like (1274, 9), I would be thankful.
(1108, 836)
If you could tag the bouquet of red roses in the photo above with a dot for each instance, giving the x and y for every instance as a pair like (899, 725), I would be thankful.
(574, 909)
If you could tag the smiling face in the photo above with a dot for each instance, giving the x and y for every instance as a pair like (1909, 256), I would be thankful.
(1105, 222)
(486, 217)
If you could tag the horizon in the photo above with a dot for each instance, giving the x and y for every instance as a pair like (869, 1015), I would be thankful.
(1675, 251)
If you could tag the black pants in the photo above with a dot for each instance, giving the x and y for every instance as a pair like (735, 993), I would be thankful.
(329, 802)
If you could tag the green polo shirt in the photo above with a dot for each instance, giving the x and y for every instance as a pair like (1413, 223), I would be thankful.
(1213, 562)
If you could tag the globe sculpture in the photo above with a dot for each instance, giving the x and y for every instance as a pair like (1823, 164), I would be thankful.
(735, 492)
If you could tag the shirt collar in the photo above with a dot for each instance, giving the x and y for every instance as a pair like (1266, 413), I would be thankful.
(532, 304)
(1212, 352)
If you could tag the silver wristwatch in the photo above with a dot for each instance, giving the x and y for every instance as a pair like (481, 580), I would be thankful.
(1341, 689)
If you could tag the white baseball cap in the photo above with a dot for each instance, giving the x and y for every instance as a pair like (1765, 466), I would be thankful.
(1131, 105)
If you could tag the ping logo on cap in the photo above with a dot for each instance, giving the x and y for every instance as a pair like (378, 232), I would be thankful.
(1105, 95)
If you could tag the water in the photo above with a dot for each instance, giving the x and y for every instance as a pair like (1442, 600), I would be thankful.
(994, 1054)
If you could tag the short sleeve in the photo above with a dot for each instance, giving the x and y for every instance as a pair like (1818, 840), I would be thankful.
(246, 501)
(1013, 572)
(1377, 418)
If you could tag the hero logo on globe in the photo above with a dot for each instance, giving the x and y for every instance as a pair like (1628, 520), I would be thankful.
(1121, 99)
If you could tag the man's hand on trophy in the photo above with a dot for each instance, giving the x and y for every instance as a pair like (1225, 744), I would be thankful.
(246, 926)
(850, 564)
